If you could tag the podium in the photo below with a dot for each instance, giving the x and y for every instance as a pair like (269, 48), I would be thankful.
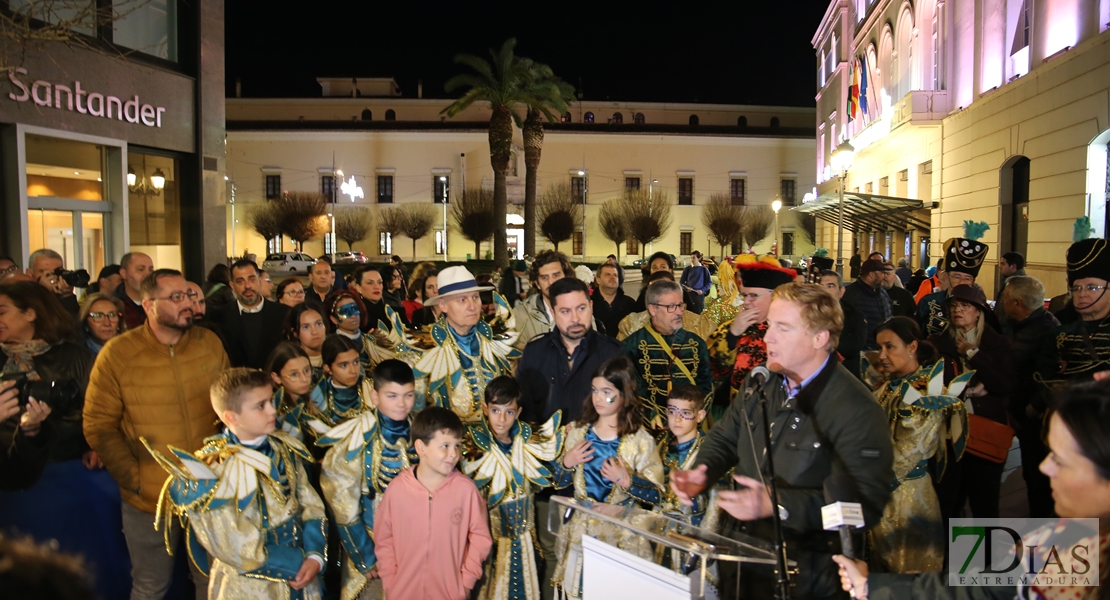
(629, 552)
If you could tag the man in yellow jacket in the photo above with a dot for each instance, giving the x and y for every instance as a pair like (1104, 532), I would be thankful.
(153, 382)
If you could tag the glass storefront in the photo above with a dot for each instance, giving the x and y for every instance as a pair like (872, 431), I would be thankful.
(154, 207)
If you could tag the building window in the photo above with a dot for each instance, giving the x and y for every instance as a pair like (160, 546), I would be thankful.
(441, 242)
(685, 242)
(618, 118)
(327, 187)
(685, 191)
(566, 117)
(329, 243)
(385, 189)
(367, 115)
(774, 121)
(741, 121)
(631, 183)
(576, 243)
(869, 188)
(273, 246)
(632, 247)
(273, 187)
(638, 118)
(884, 185)
(385, 243)
(788, 243)
(147, 27)
(693, 119)
(441, 186)
(736, 191)
(578, 188)
(737, 247)
(390, 115)
(588, 118)
(788, 191)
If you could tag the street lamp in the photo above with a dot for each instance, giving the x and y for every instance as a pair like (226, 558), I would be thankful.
(841, 161)
(585, 188)
(776, 206)
(446, 192)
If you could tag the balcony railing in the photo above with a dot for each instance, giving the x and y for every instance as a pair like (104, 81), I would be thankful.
(919, 106)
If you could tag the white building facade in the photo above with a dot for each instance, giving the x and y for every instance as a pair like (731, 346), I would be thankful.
(982, 110)
(401, 150)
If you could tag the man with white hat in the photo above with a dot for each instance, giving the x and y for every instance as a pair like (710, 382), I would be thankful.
(466, 355)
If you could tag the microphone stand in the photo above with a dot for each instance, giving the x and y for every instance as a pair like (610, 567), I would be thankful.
(782, 575)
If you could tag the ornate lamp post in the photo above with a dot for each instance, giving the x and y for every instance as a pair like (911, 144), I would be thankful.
(841, 161)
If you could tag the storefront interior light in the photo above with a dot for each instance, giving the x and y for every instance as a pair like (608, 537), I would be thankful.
(131, 176)
(158, 179)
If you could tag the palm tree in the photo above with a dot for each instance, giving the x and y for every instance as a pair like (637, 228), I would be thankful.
(545, 94)
(502, 84)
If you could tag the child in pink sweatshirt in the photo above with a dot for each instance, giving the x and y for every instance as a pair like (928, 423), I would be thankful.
(431, 531)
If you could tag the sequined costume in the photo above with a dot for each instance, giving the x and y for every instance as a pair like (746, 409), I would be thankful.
(289, 414)
(640, 456)
(508, 475)
(251, 510)
(329, 405)
(679, 456)
(924, 416)
(454, 374)
(364, 454)
(731, 363)
(656, 370)
(724, 307)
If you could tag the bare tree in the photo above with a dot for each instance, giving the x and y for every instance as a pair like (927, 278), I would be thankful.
(418, 223)
(758, 221)
(808, 223)
(472, 212)
(614, 224)
(723, 220)
(265, 221)
(648, 215)
(34, 23)
(302, 215)
(353, 224)
(559, 214)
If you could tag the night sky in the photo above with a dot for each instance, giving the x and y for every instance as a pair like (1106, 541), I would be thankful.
(715, 53)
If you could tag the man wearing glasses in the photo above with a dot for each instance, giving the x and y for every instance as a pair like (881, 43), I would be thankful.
(1082, 346)
(665, 354)
(252, 326)
(152, 382)
(7, 266)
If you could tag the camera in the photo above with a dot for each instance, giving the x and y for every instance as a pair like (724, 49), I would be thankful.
(58, 395)
(77, 279)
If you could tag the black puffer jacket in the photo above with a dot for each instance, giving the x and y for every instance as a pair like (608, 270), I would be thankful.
(67, 365)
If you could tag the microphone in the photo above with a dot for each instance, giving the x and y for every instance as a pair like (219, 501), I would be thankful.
(842, 511)
(756, 380)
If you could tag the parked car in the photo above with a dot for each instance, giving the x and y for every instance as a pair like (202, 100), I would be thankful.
(288, 261)
(351, 257)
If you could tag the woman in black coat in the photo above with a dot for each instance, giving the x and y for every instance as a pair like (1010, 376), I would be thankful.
(972, 342)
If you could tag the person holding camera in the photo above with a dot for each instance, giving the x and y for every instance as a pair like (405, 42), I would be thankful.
(74, 501)
(47, 268)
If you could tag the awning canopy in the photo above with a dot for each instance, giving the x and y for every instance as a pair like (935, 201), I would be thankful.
(870, 212)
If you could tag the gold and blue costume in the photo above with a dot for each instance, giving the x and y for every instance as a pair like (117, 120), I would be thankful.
(679, 456)
(508, 476)
(329, 405)
(363, 456)
(638, 453)
(252, 509)
(289, 414)
(925, 415)
(455, 372)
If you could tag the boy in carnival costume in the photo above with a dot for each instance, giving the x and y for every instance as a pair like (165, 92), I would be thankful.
(248, 499)
(509, 462)
(363, 456)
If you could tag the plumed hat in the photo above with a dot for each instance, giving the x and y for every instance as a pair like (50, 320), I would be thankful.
(966, 254)
(821, 259)
(1087, 257)
(762, 272)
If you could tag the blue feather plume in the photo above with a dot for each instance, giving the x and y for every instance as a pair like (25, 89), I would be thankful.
(1082, 229)
(974, 230)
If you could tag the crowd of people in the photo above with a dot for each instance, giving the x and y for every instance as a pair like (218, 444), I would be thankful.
(400, 433)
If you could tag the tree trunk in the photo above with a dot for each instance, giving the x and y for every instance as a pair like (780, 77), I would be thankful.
(533, 145)
(500, 150)
(618, 245)
(477, 250)
(414, 250)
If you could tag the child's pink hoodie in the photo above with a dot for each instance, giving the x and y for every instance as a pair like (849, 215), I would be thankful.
(430, 545)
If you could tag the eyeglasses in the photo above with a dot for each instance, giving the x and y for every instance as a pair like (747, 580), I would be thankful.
(179, 297)
(671, 308)
(295, 293)
(9, 270)
(1090, 288)
(111, 316)
(750, 297)
(960, 306)
(685, 413)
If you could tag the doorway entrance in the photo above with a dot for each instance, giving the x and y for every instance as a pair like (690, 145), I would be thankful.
(78, 236)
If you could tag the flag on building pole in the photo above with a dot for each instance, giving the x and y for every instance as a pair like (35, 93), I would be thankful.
(863, 85)
(853, 92)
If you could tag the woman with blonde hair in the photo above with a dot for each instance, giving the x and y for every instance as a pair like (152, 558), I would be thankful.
(101, 319)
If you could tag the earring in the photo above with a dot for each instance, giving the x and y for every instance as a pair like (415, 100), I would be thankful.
(610, 400)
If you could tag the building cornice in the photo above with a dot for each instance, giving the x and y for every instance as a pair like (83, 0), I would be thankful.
(443, 102)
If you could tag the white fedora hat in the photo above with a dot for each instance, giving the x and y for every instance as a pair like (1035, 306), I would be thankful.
(455, 280)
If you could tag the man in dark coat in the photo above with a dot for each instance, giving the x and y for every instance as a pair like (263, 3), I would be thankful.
(825, 422)
(901, 301)
(253, 326)
(854, 335)
(610, 304)
(867, 296)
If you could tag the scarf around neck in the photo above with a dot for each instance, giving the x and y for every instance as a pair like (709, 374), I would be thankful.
(21, 357)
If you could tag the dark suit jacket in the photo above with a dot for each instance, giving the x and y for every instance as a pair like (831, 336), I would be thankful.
(239, 353)
(549, 384)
